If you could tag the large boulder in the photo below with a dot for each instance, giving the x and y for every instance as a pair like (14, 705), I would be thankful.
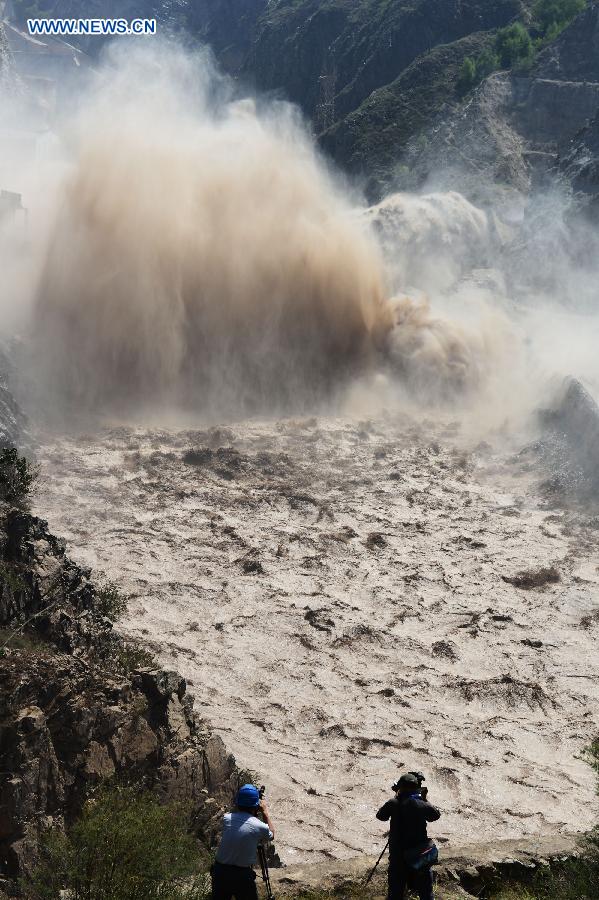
(570, 445)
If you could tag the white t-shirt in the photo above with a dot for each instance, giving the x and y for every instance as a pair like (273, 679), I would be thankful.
(242, 832)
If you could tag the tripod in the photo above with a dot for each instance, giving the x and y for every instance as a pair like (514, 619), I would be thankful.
(376, 864)
(265, 875)
(264, 863)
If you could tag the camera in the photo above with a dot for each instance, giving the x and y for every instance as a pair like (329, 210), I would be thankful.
(417, 775)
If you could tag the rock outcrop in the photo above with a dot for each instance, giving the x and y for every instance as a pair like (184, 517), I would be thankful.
(76, 706)
(570, 447)
(66, 726)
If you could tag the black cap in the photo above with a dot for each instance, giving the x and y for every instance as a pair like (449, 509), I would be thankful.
(408, 780)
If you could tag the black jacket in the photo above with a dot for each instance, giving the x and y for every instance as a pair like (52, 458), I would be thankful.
(409, 816)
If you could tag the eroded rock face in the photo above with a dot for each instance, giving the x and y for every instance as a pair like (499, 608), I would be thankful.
(580, 167)
(515, 129)
(66, 727)
(69, 720)
(37, 579)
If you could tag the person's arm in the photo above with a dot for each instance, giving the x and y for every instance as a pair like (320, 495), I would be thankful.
(431, 813)
(384, 813)
(266, 817)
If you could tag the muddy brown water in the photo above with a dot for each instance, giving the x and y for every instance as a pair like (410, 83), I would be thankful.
(341, 597)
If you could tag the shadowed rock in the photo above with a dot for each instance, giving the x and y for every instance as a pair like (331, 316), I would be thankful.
(571, 446)
(73, 714)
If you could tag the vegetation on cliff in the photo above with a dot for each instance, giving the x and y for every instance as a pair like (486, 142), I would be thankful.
(125, 846)
(552, 16)
(515, 46)
(16, 476)
(371, 139)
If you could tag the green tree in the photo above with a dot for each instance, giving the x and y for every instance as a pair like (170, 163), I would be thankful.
(513, 45)
(125, 846)
(467, 76)
(554, 15)
(487, 62)
(16, 476)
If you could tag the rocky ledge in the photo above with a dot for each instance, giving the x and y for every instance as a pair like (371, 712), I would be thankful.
(463, 871)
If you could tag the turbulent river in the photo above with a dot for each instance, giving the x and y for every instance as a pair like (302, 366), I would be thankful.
(346, 599)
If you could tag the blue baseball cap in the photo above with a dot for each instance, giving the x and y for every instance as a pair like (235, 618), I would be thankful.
(248, 796)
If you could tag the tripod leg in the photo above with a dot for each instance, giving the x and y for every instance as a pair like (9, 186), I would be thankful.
(376, 865)
(265, 874)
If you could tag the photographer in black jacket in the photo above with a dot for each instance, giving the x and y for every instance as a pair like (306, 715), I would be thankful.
(411, 852)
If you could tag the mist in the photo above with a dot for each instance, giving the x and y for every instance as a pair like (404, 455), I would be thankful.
(186, 247)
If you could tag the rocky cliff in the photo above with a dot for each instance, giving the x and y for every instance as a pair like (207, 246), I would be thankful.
(337, 52)
(331, 56)
(12, 420)
(74, 709)
(519, 130)
(379, 81)
(580, 167)
(369, 141)
(77, 703)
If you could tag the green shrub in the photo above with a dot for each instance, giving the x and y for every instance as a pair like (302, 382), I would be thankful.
(130, 656)
(16, 476)
(110, 602)
(553, 15)
(473, 71)
(125, 846)
(513, 45)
